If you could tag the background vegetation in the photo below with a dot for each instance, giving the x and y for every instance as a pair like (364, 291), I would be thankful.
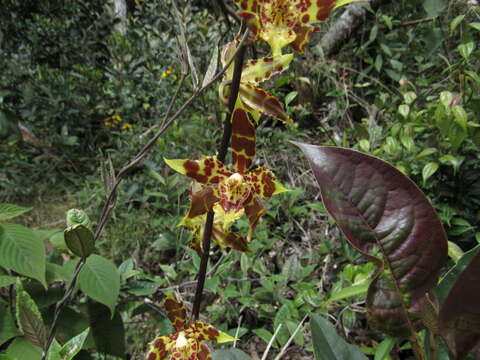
(74, 92)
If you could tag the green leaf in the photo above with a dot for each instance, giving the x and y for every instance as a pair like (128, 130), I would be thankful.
(455, 22)
(21, 349)
(74, 345)
(100, 280)
(446, 98)
(80, 240)
(9, 211)
(429, 170)
(454, 251)
(8, 329)
(426, 152)
(77, 216)
(29, 318)
(384, 348)
(461, 116)
(108, 331)
(265, 335)
(230, 354)
(457, 135)
(22, 251)
(328, 345)
(434, 7)
(6, 280)
(466, 49)
(349, 291)
(475, 25)
(290, 97)
(404, 110)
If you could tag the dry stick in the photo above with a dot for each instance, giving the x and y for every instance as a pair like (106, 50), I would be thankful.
(222, 154)
(109, 204)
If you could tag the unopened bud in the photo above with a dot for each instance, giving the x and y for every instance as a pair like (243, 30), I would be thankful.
(403, 82)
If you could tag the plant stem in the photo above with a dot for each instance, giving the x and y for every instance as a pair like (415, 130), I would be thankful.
(222, 154)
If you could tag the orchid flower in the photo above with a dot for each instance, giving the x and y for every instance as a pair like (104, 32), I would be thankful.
(286, 22)
(231, 191)
(254, 99)
(188, 342)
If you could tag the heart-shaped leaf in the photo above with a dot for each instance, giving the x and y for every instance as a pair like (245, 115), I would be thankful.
(386, 217)
(459, 318)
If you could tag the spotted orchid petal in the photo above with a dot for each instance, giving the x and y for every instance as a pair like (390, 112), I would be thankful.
(303, 37)
(233, 193)
(203, 201)
(243, 141)
(254, 209)
(206, 171)
(176, 312)
(264, 183)
(248, 5)
(258, 70)
(206, 332)
(160, 347)
(256, 99)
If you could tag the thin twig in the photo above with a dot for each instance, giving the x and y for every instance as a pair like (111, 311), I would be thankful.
(287, 344)
(222, 154)
(109, 204)
(270, 343)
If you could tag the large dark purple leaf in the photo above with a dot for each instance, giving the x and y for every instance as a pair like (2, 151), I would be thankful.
(385, 216)
(459, 317)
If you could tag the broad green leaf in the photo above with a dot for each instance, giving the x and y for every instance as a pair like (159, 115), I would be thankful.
(457, 135)
(434, 7)
(73, 346)
(454, 251)
(349, 291)
(466, 49)
(9, 211)
(328, 345)
(446, 98)
(459, 318)
(404, 110)
(100, 280)
(230, 354)
(364, 145)
(54, 351)
(455, 22)
(461, 116)
(29, 318)
(6, 280)
(426, 152)
(290, 97)
(475, 25)
(384, 348)
(428, 170)
(8, 329)
(80, 240)
(265, 335)
(384, 215)
(21, 349)
(22, 251)
(108, 331)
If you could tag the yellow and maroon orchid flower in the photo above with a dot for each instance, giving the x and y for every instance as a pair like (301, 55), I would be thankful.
(286, 22)
(188, 342)
(231, 191)
(220, 233)
(254, 99)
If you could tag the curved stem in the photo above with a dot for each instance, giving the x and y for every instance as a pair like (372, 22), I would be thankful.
(222, 154)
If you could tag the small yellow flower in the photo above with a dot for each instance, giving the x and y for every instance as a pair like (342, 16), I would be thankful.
(126, 126)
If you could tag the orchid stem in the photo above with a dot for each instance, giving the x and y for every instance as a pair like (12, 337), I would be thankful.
(222, 154)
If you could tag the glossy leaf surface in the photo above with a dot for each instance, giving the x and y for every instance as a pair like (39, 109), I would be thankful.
(386, 217)
(459, 317)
